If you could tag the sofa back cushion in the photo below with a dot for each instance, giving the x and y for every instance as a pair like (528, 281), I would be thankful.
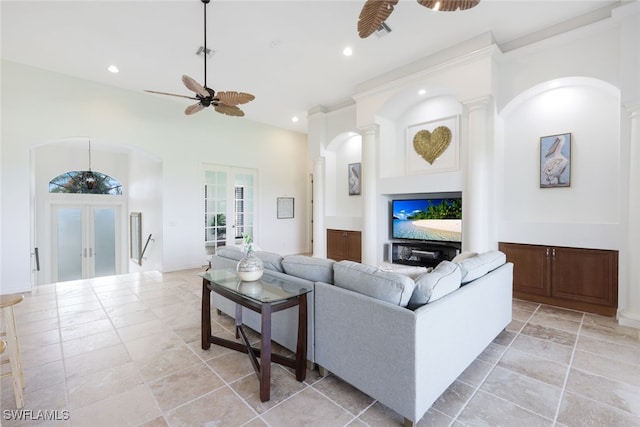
(371, 281)
(231, 252)
(480, 264)
(443, 280)
(310, 268)
(270, 260)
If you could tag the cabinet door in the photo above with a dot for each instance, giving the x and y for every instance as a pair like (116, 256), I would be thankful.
(335, 245)
(353, 241)
(586, 275)
(531, 273)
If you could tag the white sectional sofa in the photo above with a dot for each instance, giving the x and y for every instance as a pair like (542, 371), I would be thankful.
(399, 340)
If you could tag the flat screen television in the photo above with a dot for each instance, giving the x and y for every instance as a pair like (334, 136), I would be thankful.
(427, 219)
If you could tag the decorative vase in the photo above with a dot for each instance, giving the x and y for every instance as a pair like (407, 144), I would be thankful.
(250, 267)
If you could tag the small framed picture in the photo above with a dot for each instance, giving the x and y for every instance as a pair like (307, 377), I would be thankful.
(354, 179)
(285, 207)
(555, 161)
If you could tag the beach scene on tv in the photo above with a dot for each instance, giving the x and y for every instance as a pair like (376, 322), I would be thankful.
(428, 219)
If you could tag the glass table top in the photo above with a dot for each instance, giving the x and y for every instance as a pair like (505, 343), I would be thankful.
(266, 289)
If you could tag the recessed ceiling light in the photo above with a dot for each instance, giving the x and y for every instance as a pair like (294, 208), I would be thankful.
(113, 69)
(295, 119)
(422, 92)
(347, 51)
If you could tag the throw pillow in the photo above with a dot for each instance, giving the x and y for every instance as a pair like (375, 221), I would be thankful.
(479, 265)
(443, 280)
(371, 281)
(462, 256)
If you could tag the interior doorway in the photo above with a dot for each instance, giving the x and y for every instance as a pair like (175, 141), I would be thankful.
(230, 206)
(85, 241)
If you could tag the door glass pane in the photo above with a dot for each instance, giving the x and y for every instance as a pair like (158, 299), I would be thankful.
(244, 189)
(215, 209)
(104, 226)
(69, 248)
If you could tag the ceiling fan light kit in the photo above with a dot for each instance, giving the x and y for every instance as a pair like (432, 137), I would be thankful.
(223, 102)
(374, 13)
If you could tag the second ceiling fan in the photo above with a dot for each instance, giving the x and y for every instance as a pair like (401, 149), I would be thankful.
(375, 12)
(223, 102)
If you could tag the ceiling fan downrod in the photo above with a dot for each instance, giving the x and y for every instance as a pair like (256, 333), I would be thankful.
(205, 2)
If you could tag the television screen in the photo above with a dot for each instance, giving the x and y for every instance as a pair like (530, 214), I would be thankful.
(427, 219)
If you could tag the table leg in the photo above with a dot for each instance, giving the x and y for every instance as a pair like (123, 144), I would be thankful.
(238, 319)
(265, 353)
(206, 315)
(301, 349)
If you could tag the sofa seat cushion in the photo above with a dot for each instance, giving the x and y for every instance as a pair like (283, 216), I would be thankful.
(310, 268)
(480, 264)
(443, 280)
(371, 281)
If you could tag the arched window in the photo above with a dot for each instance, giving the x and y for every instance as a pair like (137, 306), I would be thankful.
(85, 182)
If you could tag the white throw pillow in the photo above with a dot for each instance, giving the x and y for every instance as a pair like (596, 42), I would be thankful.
(479, 265)
(463, 255)
(443, 280)
(371, 281)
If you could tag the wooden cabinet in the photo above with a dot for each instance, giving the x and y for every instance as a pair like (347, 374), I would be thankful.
(575, 278)
(344, 245)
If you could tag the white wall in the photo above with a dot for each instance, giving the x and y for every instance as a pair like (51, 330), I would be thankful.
(145, 196)
(159, 127)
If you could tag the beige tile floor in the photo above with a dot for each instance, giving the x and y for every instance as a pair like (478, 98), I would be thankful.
(125, 351)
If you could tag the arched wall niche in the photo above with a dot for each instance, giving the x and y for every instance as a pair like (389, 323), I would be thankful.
(343, 211)
(139, 172)
(589, 109)
(395, 145)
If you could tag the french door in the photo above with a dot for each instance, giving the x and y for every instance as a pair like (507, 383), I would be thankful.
(85, 241)
(229, 205)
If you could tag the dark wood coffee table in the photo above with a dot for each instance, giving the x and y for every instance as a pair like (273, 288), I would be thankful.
(265, 296)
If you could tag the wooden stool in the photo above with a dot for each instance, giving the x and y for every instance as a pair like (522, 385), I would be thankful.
(9, 331)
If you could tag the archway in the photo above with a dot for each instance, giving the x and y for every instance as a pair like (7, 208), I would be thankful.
(90, 230)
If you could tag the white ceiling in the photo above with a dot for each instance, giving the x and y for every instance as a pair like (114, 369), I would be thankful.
(287, 53)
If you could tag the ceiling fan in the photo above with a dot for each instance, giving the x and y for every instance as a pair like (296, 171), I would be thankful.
(375, 12)
(223, 102)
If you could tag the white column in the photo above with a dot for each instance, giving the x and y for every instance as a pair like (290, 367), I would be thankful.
(629, 315)
(476, 227)
(369, 193)
(319, 235)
